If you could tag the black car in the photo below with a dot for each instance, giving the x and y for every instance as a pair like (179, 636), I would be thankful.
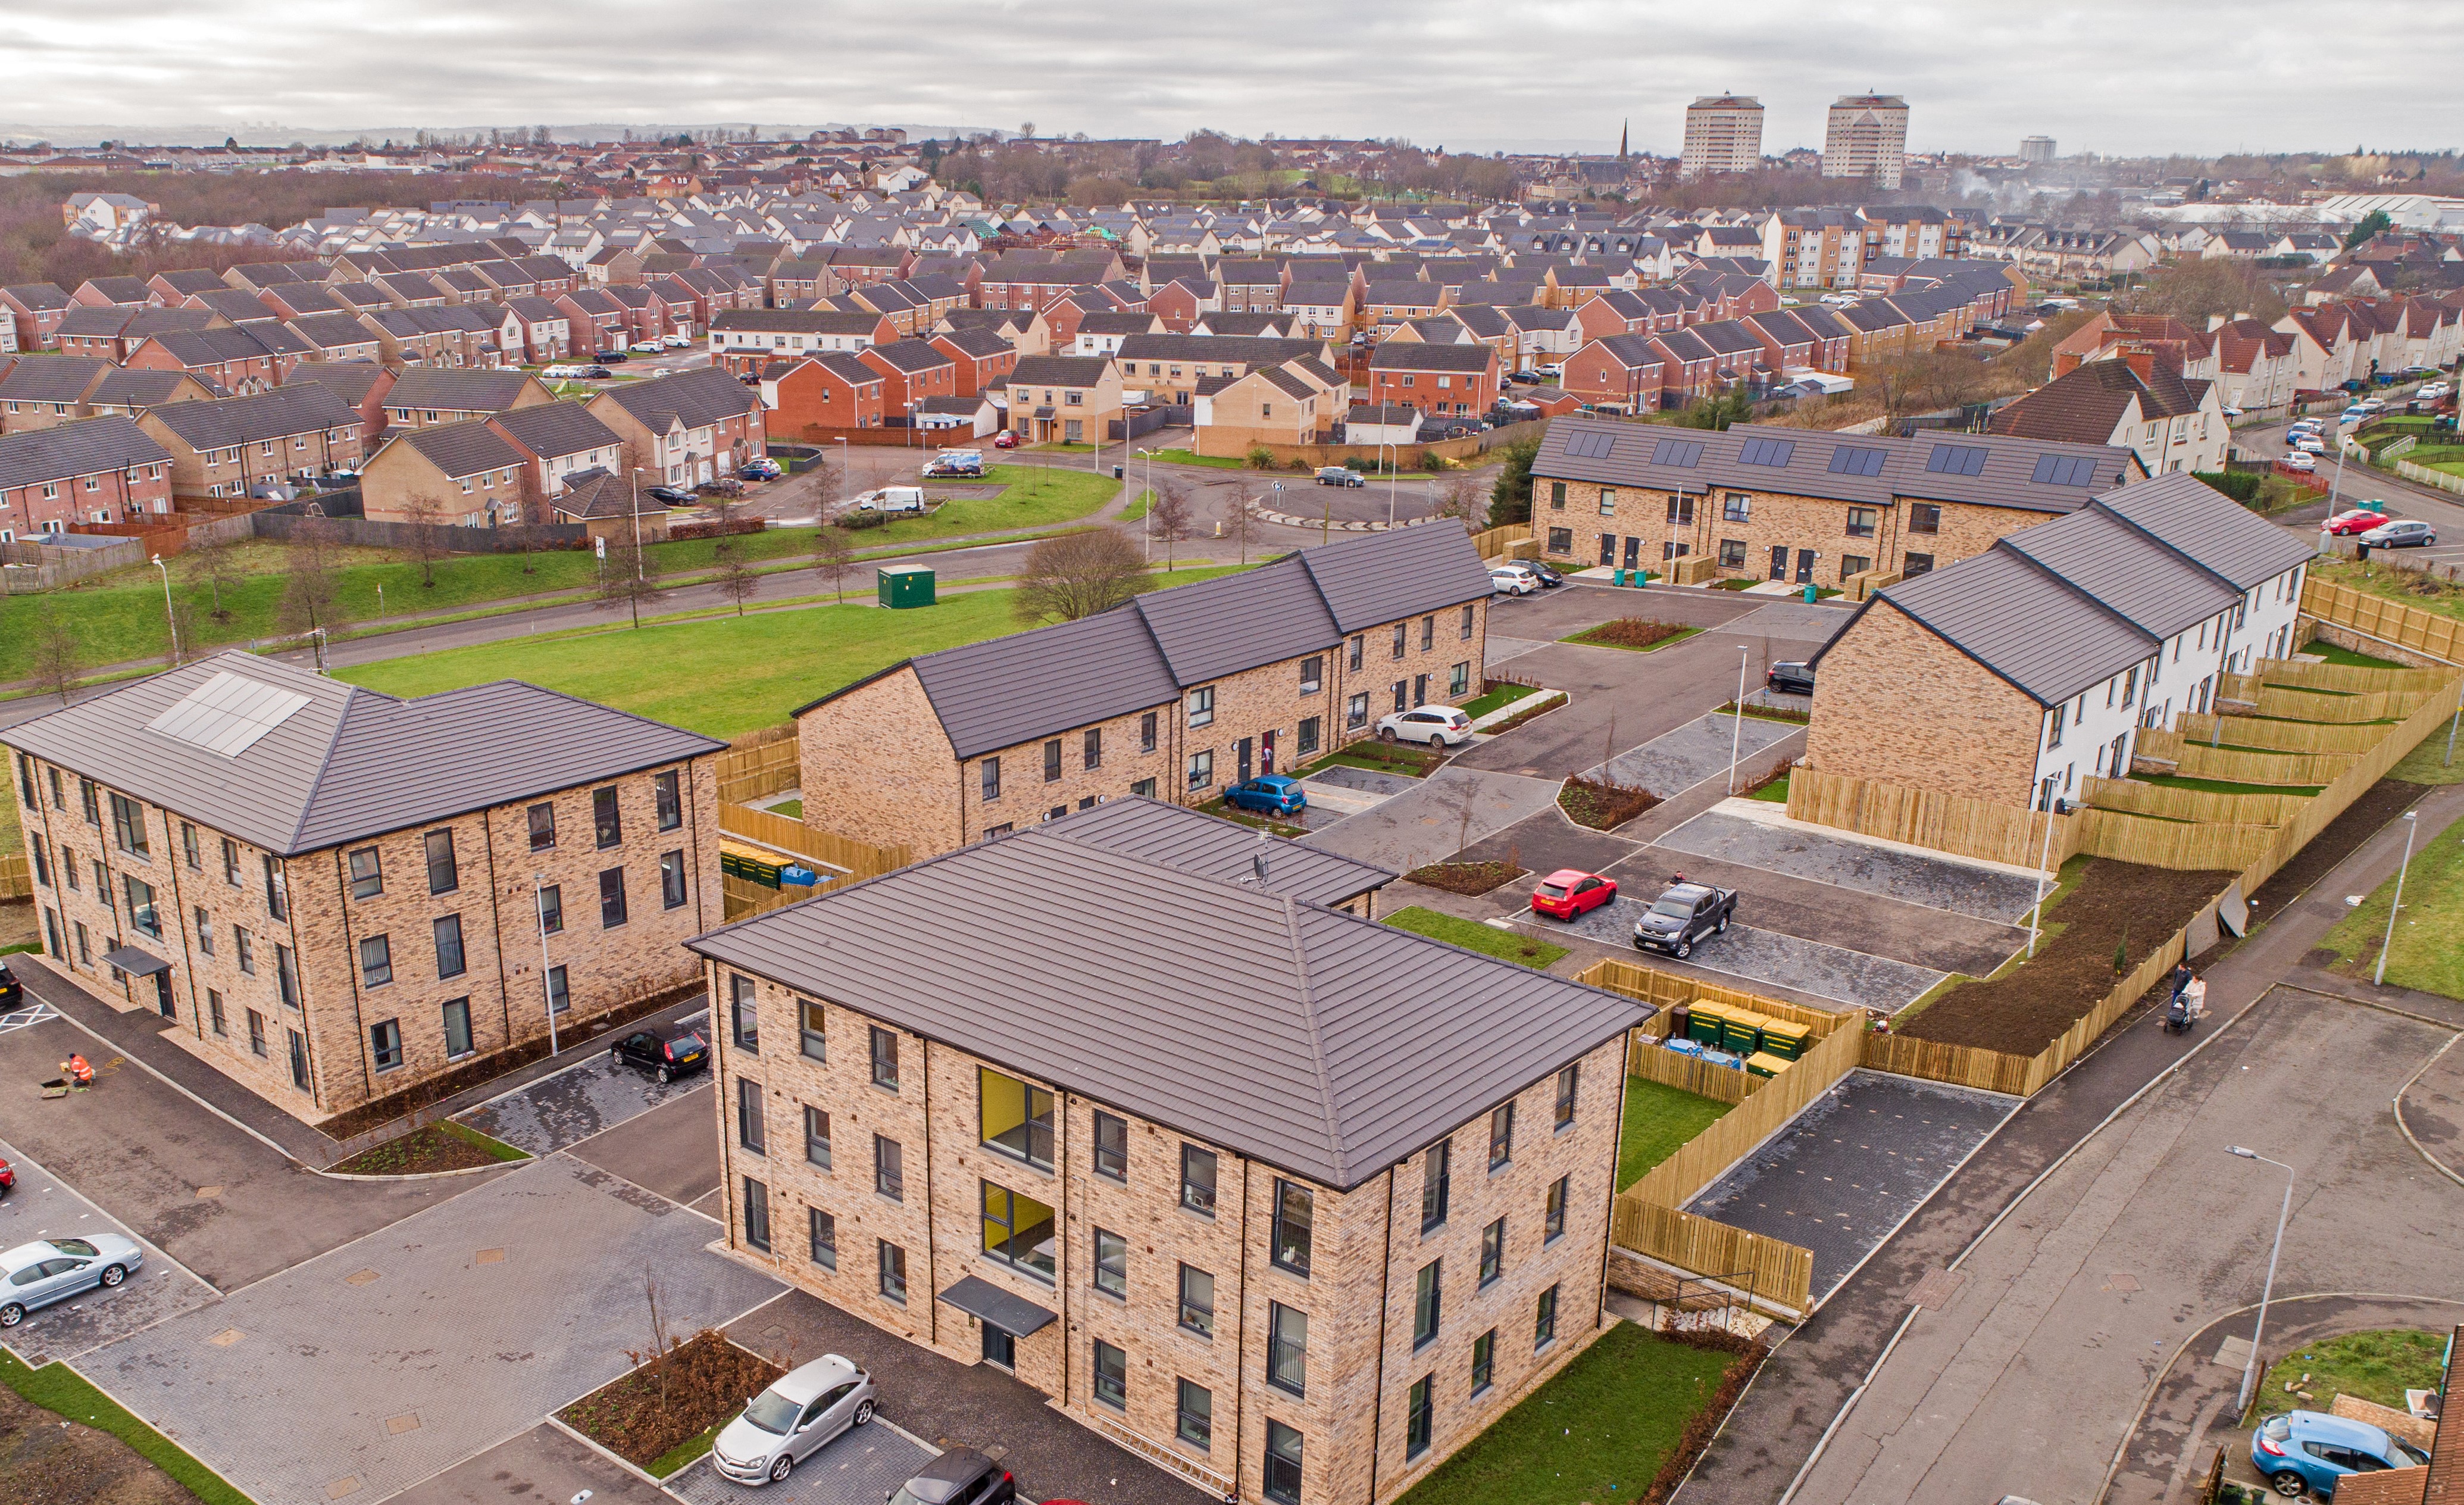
(961, 1476)
(1790, 678)
(1683, 915)
(611, 357)
(1549, 578)
(664, 1056)
(12, 991)
(673, 495)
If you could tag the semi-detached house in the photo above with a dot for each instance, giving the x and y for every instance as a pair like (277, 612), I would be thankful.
(95, 469)
(2013, 675)
(331, 895)
(1285, 1199)
(684, 428)
(1176, 694)
(232, 445)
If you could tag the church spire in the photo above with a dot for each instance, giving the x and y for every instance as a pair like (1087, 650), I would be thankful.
(1625, 131)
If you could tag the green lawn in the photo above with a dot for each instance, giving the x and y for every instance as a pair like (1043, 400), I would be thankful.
(1137, 510)
(2425, 764)
(1594, 1434)
(2394, 584)
(1473, 936)
(673, 1461)
(791, 809)
(1502, 695)
(2337, 654)
(2375, 1367)
(1411, 763)
(722, 676)
(1035, 496)
(1219, 462)
(2175, 780)
(2423, 953)
(1776, 791)
(1659, 1120)
(59, 1389)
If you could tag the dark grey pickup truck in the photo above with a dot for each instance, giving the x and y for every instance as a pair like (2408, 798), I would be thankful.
(1683, 915)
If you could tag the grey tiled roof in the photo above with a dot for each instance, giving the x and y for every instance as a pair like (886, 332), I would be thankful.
(1181, 837)
(2120, 568)
(350, 763)
(1384, 577)
(2183, 512)
(83, 447)
(552, 429)
(1009, 690)
(1322, 1044)
(136, 386)
(462, 449)
(1222, 626)
(456, 390)
(2021, 622)
(51, 378)
(285, 411)
(693, 398)
(351, 379)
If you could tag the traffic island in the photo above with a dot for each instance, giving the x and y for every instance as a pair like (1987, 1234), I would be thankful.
(665, 1414)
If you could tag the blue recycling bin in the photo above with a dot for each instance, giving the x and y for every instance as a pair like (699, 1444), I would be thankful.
(1809, 595)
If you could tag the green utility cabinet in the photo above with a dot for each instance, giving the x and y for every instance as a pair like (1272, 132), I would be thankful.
(904, 585)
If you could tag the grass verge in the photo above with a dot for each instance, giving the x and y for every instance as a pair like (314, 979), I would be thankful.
(1220, 810)
(2423, 953)
(1775, 791)
(2338, 654)
(1473, 936)
(688, 1452)
(1411, 763)
(1218, 462)
(57, 1389)
(2176, 781)
(1504, 695)
(2374, 1366)
(2408, 586)
(1659, 1120)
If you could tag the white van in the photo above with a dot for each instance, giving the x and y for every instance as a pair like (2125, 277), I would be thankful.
(892, 499)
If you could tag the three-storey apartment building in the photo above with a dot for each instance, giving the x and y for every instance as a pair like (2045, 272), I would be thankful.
(1288, 1202)
(334, 894)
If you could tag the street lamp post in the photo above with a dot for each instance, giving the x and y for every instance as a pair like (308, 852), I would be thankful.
(169, 615)
(2045, 855)
(1146, 519)
(844, 477)
(2250, 1365)
(547, 993)
(2378, 977)
(1393, 469)
(1737, 732)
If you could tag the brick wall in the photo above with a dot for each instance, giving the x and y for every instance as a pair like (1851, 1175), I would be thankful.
(1896, 703)
(1027, 797)
(874, 764)
(1771, 520)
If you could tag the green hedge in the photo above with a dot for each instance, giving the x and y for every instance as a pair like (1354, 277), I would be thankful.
(2240, 487)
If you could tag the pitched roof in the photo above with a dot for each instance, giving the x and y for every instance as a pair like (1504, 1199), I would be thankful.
(461, 449)
(2084, 404)
(549, 430)
(285, 411)
(346, 762)
(2182, 513)
(1059, 370)
(1421, 355)
(456, 389)
(136, 387)
(1320, 1043)
(83, 447)
(693, 398)
(352, 380)
(51, 378)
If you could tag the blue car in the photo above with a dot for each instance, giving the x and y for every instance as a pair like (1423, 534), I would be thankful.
(1270, 795)
(2310, 1450)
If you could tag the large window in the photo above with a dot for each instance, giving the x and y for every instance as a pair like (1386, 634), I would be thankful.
(367, 875)
(560, 993)
(809, 1037)
(672, 808)
(606, 822)
(1501, 1136)
(1015, 1118)
(1198, 1301)
(449, 959)
(457, 1029)
(1418, 1417)
(1313, 673)
(743, 1014)
(748, 1116)
(1544, 1320)
(1283, 1474)
(817, 1136)
(376, 962)
(822, 1236)
(551, 910)
(1202, 768)
(141, 912)
(1112, 1146)
(889, 1169)
(885, 1059)
(1492, 1251)
(1018, 1230)
(385, 1045)
(1427, 1289)
(1924, 517)
(1197, 1180)
(1287, 1348)
(543, 825)
(756, 1214)
(1295, 1215)
(444, 875)
(611, 898)
(1565, 1107)
(1436, 1178)
(1111, 1263)
(1194, 1416)
(1112, 1376)
(671, 879)
(893, 1271)
(128, 825)
(1052, 760)
(1201, 703)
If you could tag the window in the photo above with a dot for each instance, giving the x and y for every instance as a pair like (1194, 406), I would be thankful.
(1052, 760)
(376, 962)
(1425, 1291)
(1557, 496)
(1146, 732)
(1312, 673)
(1356, 711)
(1483, 1360)
(1561, 541)
(1913, 564)
(808, 1031)
(1435, 1179)
(127, 825)
(1015, 1117)
(669, 800)
(442, 877)
(1501, 1136)
(1428, 632)
(1309, 735)
(244, 946)
(1924, 517)
(890, 1168)
(1737, 508)
(1018, 1230)
(1295, 1219)
(1554, 1222)
(85, 949)
(1544, 1320)
(385, 1045)
(560, 996)
(606, 823)
(449, 946)
(1092, 753)
(991, 767)
(190, 848)
(1861, 522)
(748, 1116)
(1681, 507)
(885, 1059)
(611, 898)
(1492, 1251)
(1202, 768)
(277, 890)
(1201, 704)
(1358, 646)
(43, 863)
(2054, 725)
(1112, 1146)
(1112, 1376)
(140, 906)
(1198, 1301)
(542, 819)
(1193, 1417)
(1197, 1180)
(743, 1014)
(893, 1271)
(551, 908)
(1418, 1414)
(215, 1012)
(1565, 1109)
(1111, 1263)
(255, 1032)
(756, 1214)
(1470, 618)
(1399, 641)
(457, 1029)
(822, 1238)
(1283, 1474)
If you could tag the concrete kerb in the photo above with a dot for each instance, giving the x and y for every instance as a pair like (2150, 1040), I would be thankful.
(2397, 1103)
(1850, 1273)
(626, 1464)
(170, 1437)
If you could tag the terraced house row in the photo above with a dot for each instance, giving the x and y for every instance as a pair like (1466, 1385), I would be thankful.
(1175, 696)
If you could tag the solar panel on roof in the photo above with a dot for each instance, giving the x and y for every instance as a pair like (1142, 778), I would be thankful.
(1956, 459)
(1682, 454)
(1848, 459)
(2065, 470)
(1773, 452)
(1589, 444)
(227, 713)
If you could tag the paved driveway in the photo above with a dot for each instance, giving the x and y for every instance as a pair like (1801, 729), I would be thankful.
(1427, 823)
(1909, 877)
(1679, 759)
(395, 1358)
(540, 1467)
(861, 1466)
(577, 1102)
(44, 1207)
(671, 1149)
(1848, 977)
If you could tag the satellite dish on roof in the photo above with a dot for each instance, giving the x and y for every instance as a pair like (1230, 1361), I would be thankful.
(1258, 858)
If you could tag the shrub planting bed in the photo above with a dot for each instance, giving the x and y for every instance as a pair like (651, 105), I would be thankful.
(642, 1415)
(1466, 878)
(440, 1147)
(1602, 805)
(1632, 632)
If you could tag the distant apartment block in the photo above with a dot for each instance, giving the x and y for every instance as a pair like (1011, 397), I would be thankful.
(1723, 133)
(1867, 137)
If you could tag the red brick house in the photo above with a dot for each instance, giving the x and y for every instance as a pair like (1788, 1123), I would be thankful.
(597, 321)
(1620, 370)
(981, 358)
(95, 469)
(37, 308)
(1455, 379)
(814, 393)
(1690, 367)
(915, 371)
(1184, 300)
(117, 291)
(361, 384)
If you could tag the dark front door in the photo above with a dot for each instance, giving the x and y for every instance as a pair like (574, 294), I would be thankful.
(1804, 566)
(1243, 751)
(1608, 549)
(999, 1349)
(162, 995)
(1267, 751)
(1779, 561)
(1633, 553)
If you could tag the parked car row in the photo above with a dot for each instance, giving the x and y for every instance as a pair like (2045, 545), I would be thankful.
(1523, 577)
(814, 1404)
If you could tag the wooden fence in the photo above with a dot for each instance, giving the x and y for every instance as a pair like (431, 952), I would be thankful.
(1778, 1274)
(1646, 1057)
(1501, 540)
(1863, 584)
(1664, 990)
(748, 772)
(16, 882)
(2137, 797)
(2345, 678)
(2184, 846)
(1700, 1160)
(857, 859)
(2232, 765)
(2365, 770)
(2267, 736)
(2438, 638)
(1952, 823)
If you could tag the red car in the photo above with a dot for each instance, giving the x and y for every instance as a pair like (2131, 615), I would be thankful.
(2360, 520)
(1005, 440)
(7, 1178)
(1569, 893)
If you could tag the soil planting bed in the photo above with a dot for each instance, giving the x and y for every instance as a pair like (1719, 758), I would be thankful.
(2381, 803)
(2027, 1008)
(1601, 805)
(1629, 632)
(439, 1146)
(642, 1415)
(1466, 878)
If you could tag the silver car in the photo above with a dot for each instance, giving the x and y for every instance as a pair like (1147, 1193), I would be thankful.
(788, 1422)
(46, 1271)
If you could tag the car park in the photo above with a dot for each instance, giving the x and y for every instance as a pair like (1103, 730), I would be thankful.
(2401, 533)
(1683, 915)
(1789, 676)
(801, 1411)
(1571, 893)
(1512, 580)
(1340, 475)
(46, 1271)
(1442, 725)
(1549, 579)
(1268, 794)
(961, 1476)
(2304, 1451)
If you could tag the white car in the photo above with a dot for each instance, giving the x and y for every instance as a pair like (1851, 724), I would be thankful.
(2308, 445)
(646, 346)
(1442, 725)
(678, 342)
(1512, 580)
(2231, 412)
(2432, 393)
(790, 1421)
(2295, 460)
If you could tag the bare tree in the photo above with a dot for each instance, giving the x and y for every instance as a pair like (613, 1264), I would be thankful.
(535, 511)
(1168, 516)
(736, 580)
(425, 514)
(1078, 575)
(1465, 495)
(58, 657)
(833, 556)
(215, 564)
(308, 586)
(630, 579)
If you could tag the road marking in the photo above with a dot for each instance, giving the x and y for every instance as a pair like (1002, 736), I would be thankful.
(27, 1018)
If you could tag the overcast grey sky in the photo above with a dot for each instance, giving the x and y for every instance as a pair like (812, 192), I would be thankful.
(2123, 77)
